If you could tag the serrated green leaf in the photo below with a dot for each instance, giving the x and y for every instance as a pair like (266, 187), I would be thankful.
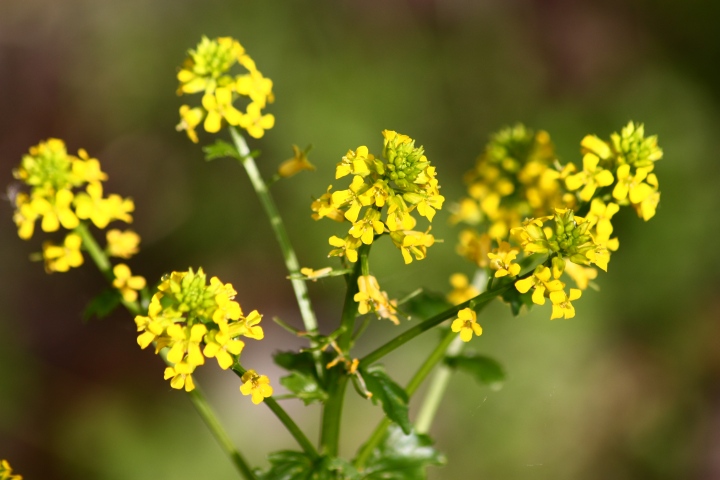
(304, 387)
(485, 370)
(102, 305)
(393, 398)
(220, 149)
(402, 456)
(289, 465)
(295, 361)
(426, 304)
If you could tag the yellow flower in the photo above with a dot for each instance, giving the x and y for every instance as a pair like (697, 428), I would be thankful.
(254, 85)
(347, 247)
(185, 344)
(591, 177)
(126, 283)
(371, 299)
(219, 345)
(368, 227)
(24, 216)
(122, 244)
(313, 275)
(180, 376)
(219, 105)
(462, 291)
(256, 385)
(466, 324)
(248, 326)
(412, 242)
(501, 260)
(350, 198)
(600, 216)
(255, 122)
(55, 211)
(475, 247)
(6, 472)
(561, 303)
(87, 169)
(541, 282)
(581, 275)
(101, 211)
(357, 162)
(296, 164)
(62, 258)
(323, 207)
(190, 118)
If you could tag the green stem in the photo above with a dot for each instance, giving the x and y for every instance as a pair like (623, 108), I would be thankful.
(438, 385)
(196, 396)
(291, 262)
(477, 303)
(332, 410)
(435, 357)
(103, 263)
(285, 419)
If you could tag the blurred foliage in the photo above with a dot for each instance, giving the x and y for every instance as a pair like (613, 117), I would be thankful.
(626, 390)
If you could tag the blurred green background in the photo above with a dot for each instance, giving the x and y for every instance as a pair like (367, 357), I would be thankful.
(629, 389)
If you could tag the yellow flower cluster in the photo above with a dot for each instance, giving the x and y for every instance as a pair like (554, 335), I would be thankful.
(404, 182)
(371, 299)
(196, 320)
(6, 472)
(65, 190)
(513, 179)
(529, 203)
(207, 71)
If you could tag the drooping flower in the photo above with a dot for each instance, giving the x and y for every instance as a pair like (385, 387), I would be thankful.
(371, 299)
(296, 164)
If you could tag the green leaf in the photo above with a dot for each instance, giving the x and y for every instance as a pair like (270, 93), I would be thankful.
(295, 361)
(402, 457)
(102, 305)
(305, 387)
(220, 149)
(517, 300)
(393, 398)
(425, 305)
(289, 465)
(485, 370)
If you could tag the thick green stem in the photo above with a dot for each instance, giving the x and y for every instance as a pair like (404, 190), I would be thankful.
(477, 303)
(196, 396)
(332, 410)
(435, 357)
(291, 262)
(285, 419)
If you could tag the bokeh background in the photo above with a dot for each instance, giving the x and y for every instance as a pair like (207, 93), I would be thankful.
(629, 389)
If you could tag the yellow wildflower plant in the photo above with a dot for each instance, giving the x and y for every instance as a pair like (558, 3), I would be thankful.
(383, 196)
(6, 471)
(208, 70)
(195, 319)
(466, 324)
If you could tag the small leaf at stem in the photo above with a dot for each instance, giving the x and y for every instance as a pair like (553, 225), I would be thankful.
(305, 387)
(485, 370)
(289, 465)
(220, 149)
(392, 396)
(102, 305)
(426, 304)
